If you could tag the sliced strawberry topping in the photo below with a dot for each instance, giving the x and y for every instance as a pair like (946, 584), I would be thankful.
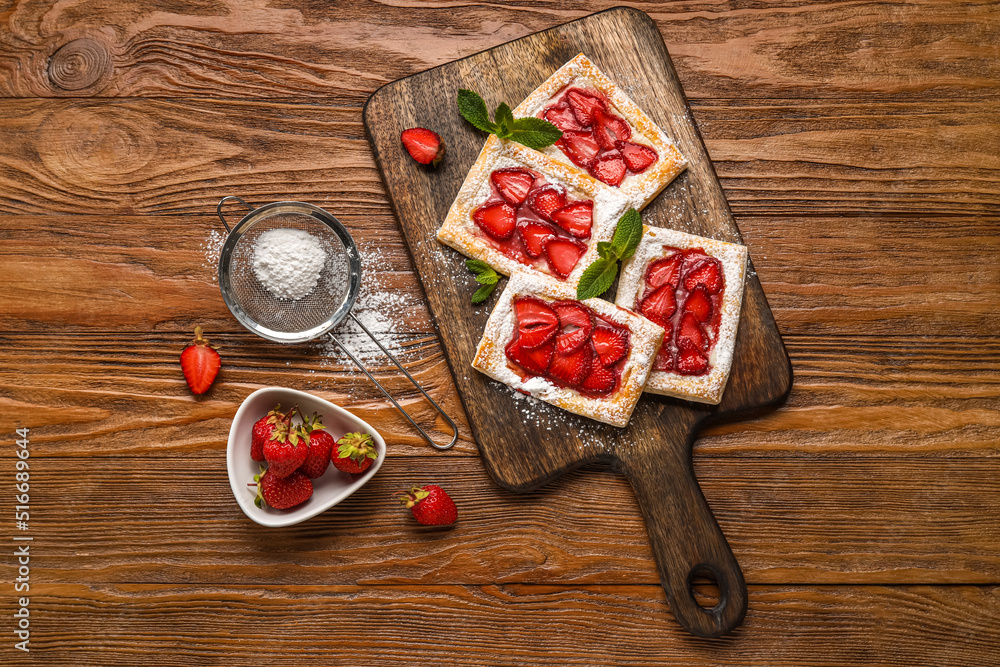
(513, 184)
(497, 220)
(690, 334)
(691, 362)
(659, 306)
(576, 218)
(537, 322)
(576, 323)
(423, 145)
(664, 359)
(533, 236)
(563, 254)
(534, 361)
(699, 304)
(609, 128)
(562, 117)
(600, 381)
(707, 273)
(665, 271)
(584, 103)
(580, 147)
(572, 368)
(609, 167)
(546, 200)
(637, 157)
(610, 343)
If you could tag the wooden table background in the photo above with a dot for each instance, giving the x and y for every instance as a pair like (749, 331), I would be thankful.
(859, 147)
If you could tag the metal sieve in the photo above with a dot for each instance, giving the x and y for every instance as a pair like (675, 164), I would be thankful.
(319, 311)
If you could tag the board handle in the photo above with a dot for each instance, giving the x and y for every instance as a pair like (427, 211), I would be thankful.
(686, 540)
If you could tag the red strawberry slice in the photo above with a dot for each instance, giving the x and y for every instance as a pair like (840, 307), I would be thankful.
(562, 117)
(659, 305)
(423, 145)
(533, 236)
(497, 220)
(691, 362)
(637, 157)
(563, 254)
(580, 147)
(664, 359)
(537, 323)
(609, 167)
(666, 271)
(576, 218)
(601, 380)
(513, 184)
(698, 304)
(572, 368)
(609, 128)
(584, 104)
(708, 273)
(690, 335)
(546, 200)
(576, 323)
(611, 344)
(534, 361)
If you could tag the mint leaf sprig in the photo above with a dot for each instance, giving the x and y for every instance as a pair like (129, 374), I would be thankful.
(532, 132)
(485, 276)
(597, 278)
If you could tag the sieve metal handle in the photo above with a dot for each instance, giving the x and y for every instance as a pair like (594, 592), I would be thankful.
(357, 362)
(218, 209)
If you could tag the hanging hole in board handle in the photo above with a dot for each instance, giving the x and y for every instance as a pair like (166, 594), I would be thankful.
(705, 588)
(218, 209)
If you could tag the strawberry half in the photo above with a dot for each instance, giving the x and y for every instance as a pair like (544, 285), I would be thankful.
(576, 218)
(577, 325)
(200, 363)
(637, 157)
(691, 362)
(563, 254)
(609, 167)
(513, 184)
(611, 344)
(497, 220)
(609, 129)
(659, 306)
(425, 146)
(562, 117)
(666, 271)
(572, 368)
(534, 361)
(584, 104)
(601, 381)
(546, 200)
(580, 147)
(699, 304)
(533, 236)
(708, 273)
(690, 335)
(537, 323)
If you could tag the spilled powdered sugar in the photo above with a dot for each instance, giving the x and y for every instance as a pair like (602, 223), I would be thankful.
(212, 249)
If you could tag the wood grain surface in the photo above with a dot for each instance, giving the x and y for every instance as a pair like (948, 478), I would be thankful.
(856, 145)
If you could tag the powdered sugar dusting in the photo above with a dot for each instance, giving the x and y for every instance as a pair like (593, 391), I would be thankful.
(211, 247)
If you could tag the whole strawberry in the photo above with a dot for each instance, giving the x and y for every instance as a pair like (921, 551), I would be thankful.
(264, 429)
(282, 492)
(354, 453)
(200, 363)
(430, 505)
(320, 446)
(286, 450)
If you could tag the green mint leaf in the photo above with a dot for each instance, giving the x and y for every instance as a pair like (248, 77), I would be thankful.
(473, 109)
(534, 132)
(488, 277)
(477, 265)
(604, 251)
(504, 118)
(597, 279)
(628, 233)
(483, 293)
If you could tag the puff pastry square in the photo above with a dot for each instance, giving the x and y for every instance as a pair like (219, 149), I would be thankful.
(602, 128)
(600, 349)
(518, 251)
(693, 286)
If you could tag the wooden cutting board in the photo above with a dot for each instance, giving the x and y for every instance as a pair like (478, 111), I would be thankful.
(525, 443)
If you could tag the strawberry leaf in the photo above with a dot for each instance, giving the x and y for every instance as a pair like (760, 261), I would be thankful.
(473, 109)
(597, 279)
(483, 293)
(534, 132)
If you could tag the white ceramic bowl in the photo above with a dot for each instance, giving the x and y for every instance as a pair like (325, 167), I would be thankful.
(328, 490)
